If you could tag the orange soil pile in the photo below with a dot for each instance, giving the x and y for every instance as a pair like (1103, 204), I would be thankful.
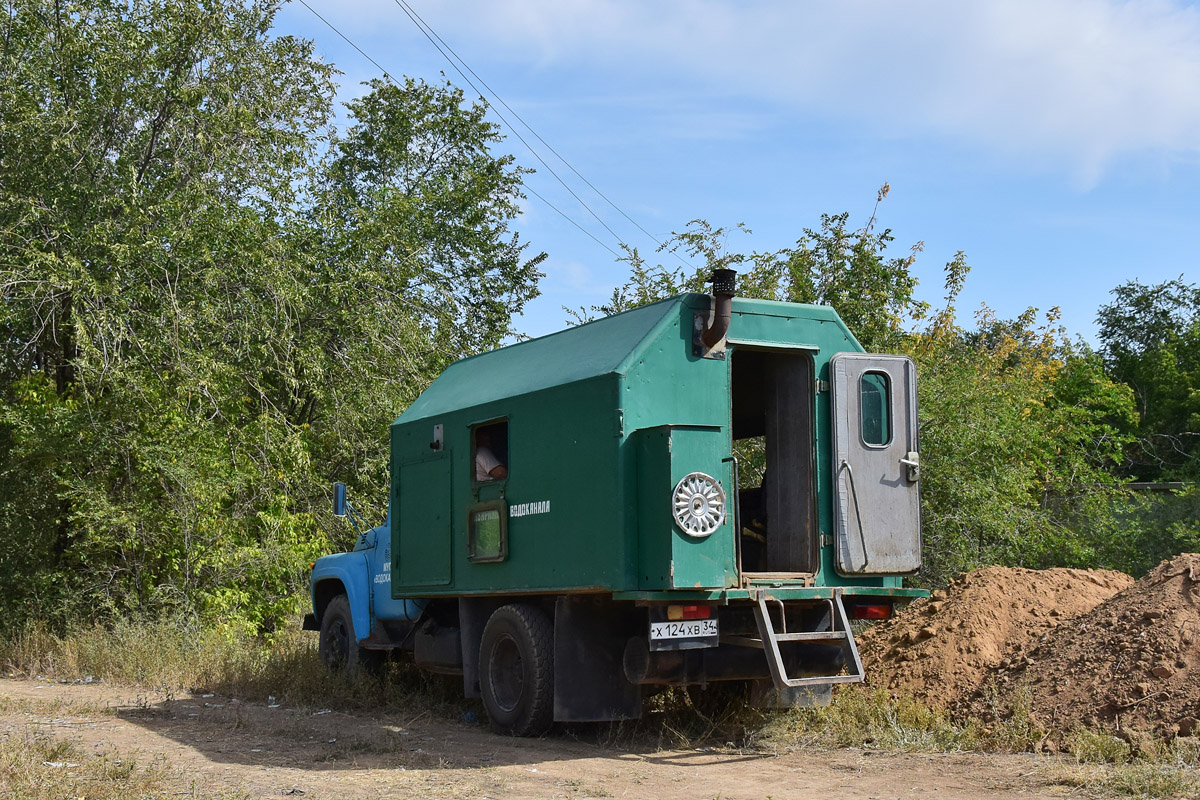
(942, 650)
(1131, 664)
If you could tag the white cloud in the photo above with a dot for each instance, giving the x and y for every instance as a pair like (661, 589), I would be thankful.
(1082, 82)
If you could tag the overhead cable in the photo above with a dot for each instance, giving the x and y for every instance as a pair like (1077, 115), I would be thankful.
(420, 26)
(387, 75)
(431, 34)
(331, 26)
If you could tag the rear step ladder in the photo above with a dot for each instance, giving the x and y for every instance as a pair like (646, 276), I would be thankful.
(769, 642)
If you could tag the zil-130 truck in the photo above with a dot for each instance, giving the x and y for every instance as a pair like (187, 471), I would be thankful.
(704, 489)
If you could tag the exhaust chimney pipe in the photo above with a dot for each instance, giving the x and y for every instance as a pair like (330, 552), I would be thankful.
(724, 283)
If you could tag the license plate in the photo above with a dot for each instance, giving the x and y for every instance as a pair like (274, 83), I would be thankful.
(687, 629)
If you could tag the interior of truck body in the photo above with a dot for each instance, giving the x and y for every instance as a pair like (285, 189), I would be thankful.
(773, 404)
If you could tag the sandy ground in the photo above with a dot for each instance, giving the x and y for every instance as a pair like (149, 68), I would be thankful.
(217, 743)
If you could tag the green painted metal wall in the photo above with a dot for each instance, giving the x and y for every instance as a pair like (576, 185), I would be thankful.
(603, 420)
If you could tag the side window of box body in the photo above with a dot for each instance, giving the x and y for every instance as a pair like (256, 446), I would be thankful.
(489, 451)
(487, 532)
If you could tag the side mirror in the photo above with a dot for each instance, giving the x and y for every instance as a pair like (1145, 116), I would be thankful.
(339, 499)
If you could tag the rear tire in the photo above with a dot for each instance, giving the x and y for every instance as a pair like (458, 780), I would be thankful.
(516, 659)
(338, 647)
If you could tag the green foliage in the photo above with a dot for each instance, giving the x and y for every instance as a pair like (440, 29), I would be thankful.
(211, 305)
(1134, 531)
(837, 265)
(1151, 341)
(1018, 432)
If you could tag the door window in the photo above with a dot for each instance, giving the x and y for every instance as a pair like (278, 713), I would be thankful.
(875, 405)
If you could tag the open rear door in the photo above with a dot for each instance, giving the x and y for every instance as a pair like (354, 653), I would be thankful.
(876, 464)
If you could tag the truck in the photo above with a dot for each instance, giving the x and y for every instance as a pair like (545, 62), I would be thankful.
(707, 488)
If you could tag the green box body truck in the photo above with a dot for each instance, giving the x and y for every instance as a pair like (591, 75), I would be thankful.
(704, 489)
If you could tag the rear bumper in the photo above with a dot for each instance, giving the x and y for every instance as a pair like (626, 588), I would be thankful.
(724, 596)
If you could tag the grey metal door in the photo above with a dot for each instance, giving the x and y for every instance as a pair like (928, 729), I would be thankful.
(876, 464)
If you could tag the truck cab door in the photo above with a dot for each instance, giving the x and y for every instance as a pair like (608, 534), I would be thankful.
(876, 465)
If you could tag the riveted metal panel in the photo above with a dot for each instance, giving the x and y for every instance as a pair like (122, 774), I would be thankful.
(877, 505)
(588, 503)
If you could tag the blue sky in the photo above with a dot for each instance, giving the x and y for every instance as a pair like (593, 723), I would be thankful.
(1056, 142)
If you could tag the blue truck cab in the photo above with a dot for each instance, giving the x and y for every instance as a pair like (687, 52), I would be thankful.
(353, 607)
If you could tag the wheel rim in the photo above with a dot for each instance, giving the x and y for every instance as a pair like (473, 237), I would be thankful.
(506, 673)
(337, 644)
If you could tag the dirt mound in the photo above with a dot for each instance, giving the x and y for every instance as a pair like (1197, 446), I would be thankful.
(941, 650)
(1131, 664)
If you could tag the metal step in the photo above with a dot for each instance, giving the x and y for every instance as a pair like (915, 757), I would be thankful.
(817, 637)
(769, 642)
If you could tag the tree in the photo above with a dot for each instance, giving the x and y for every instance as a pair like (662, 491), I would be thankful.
(848, 268)
(210, 306)
(1019, 431)
(1151, 341)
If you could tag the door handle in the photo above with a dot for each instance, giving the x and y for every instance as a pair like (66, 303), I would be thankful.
(912, 460)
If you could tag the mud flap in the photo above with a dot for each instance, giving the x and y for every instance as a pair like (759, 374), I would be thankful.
(589, 646)
(473, 614)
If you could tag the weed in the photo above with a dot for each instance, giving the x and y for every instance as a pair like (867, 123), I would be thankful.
(1142, 779)
(162, 657)
(1015, 729)
(860, 716)
(1097, 747)
(37, 766)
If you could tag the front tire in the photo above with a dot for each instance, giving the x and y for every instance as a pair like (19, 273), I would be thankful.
(516, 658)
(338, 647)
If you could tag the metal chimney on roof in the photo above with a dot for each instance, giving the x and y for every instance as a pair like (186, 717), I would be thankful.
(724, 283)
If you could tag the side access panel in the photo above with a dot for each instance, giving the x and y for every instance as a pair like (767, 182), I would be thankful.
(876, 464)
(421, 537)
(669, 557)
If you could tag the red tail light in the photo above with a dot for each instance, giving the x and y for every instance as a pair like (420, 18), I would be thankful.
(695, 611)
(882, 611)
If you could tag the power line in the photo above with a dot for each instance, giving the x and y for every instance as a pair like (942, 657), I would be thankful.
(331, 26)
(573, 222)
(387, 75)
(412, 15)
(421, 25)
(427, 29)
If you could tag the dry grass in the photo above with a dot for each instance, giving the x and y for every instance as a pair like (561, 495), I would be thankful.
(35, 765)
(168, 656)
(1145, 767)
(173, 656)
(1141, 779)
(863, 717)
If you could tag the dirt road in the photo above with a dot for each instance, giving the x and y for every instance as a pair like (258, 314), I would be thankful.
(217, 743)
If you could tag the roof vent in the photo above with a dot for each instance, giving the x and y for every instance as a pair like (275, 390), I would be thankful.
(724, 283)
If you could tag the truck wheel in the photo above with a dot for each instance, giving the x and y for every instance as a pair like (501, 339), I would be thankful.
(338, 648)
(516, 660)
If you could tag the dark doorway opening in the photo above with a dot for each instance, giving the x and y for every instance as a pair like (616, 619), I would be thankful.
(773, 404)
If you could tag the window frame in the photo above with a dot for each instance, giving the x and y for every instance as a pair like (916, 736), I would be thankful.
(501, 509)
(886, 411)
(475, 447)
